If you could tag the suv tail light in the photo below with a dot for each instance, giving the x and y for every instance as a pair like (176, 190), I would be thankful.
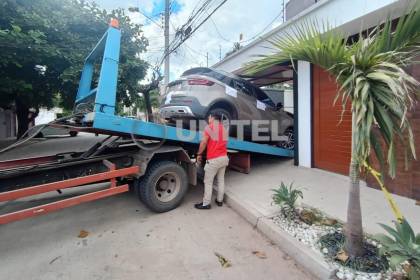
(200, 82)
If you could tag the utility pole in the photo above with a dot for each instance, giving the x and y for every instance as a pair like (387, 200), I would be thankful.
(207, 58)
(166, 33)
(283, 11)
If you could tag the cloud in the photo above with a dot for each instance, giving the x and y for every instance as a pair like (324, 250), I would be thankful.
(235, 17)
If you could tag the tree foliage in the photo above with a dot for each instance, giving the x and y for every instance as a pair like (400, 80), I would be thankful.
(44, 44)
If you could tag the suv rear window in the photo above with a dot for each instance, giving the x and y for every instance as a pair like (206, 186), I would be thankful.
(233, 81)
(221, 77)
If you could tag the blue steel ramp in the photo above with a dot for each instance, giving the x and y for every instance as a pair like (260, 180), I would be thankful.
(116, 124)
(103, 99)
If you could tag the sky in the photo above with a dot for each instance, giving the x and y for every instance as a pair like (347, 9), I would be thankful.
(247, 17)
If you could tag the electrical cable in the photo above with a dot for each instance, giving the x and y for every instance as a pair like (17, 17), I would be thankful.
(195, 14)
(263, 30)
(191, 56)
(146, 16)
(218, 32)
(191, 49)
(191, 32)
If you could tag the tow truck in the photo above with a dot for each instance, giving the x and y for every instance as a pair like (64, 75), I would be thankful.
(154, 160)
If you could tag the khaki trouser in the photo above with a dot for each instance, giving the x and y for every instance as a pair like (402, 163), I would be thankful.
(213, 167)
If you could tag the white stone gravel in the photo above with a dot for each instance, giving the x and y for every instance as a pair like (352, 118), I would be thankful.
(309, 235)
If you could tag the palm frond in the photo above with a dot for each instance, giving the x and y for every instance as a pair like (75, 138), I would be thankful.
(310, 41)
(370, 73)
(405, 36)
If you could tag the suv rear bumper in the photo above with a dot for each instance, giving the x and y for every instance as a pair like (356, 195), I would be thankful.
(183, 108)
(176, 111)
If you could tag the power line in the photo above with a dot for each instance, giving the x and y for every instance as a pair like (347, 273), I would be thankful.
(149, 18)
(192, 56)
(166, 34)
(155, 50)
(137, 9)
(186, 28)
(186, 33)
(218, 32)
(154, 37)
(191, 49)
(264, 29)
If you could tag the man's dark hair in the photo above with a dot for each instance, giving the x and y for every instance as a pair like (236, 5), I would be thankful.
(217, 116)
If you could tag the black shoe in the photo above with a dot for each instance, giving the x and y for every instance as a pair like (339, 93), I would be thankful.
(201, 206)
(219, 203)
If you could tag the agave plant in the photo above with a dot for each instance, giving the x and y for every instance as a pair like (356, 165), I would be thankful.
(370, 71)
(402, 245)
(286, 198)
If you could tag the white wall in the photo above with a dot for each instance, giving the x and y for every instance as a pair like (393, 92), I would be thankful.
(304, 114)
(46, 116)
(7, 124)
(288, 100)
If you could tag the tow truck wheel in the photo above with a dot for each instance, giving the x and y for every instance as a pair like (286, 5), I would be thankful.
(163, 186)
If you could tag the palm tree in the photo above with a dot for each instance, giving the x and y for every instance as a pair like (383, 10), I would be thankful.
(370, 71)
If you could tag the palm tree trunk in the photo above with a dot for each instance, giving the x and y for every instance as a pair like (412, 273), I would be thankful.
(353, 228)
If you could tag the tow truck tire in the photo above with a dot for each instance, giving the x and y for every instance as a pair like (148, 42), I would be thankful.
(163, 186)
(73, 133)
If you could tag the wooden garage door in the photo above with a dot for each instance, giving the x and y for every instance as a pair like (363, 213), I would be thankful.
(332, 140)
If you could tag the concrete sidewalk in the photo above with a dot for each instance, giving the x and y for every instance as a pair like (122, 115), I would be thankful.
(323, 190)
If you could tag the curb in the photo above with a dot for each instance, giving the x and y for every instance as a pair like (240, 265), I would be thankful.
(303, 255)
(247, 212)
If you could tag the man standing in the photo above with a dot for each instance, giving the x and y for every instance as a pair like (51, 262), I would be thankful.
(215, 140)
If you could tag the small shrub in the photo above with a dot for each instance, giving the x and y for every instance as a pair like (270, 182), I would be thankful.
(309, 217)
(286, 198)
(402, 245)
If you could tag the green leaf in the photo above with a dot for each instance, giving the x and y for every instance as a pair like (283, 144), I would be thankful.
(396, 260)
(414, 273)
(286, 197)
(392, 232)
(16, 28)
(383, 239)
(27, 86)
(407, 231)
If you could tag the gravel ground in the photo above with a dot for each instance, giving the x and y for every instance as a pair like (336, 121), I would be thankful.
(310, 234)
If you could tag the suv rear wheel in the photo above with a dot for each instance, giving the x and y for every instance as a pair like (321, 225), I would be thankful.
(226, 117)
(288, 144)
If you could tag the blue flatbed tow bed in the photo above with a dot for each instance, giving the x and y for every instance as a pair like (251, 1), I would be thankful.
(159, 172)
(104, 119)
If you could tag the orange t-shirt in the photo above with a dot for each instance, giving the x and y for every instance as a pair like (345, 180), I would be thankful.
(216, 145)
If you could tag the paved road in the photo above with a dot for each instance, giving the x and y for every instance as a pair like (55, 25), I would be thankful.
(126, 241)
